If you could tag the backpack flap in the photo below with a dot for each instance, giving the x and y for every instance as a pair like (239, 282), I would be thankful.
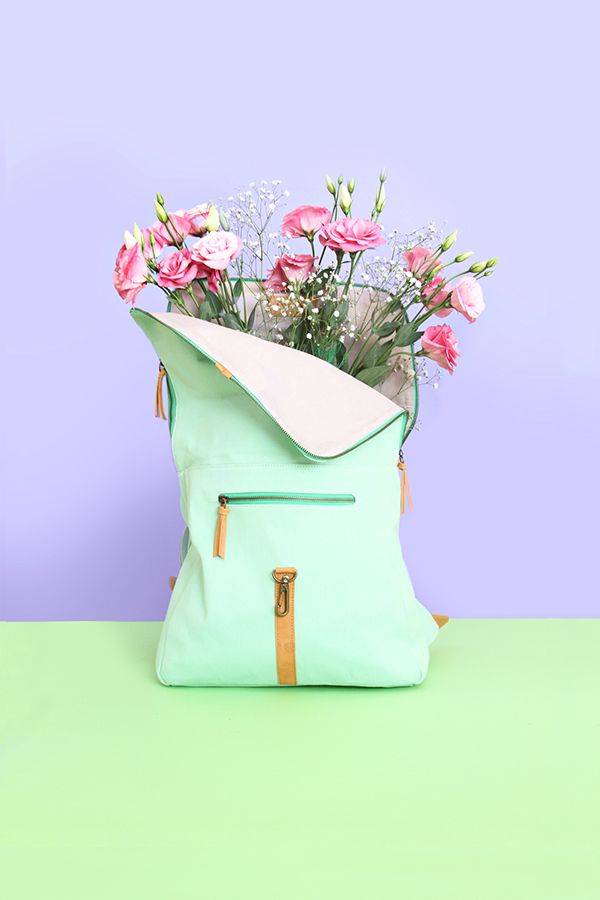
(323, 410)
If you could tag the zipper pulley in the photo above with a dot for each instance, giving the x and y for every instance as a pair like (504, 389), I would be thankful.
(282, 595)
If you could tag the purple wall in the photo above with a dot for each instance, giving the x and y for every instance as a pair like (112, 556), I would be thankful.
(481, 120)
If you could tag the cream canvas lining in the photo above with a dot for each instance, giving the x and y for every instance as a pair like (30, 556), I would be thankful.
(324, 410)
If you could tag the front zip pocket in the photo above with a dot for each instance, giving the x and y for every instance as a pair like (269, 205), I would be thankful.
(267, 497)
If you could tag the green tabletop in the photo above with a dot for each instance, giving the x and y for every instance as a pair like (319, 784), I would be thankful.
(481, 783)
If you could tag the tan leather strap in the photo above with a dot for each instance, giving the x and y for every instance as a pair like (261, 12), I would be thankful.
(159, 409)
(172, 581)
(404, 489)
(440, 620)
(221, 532)
(285, 638)
(223, 370)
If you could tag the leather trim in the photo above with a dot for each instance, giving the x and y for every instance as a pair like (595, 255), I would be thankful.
(159, 408)
(285, 637)
(223, 370)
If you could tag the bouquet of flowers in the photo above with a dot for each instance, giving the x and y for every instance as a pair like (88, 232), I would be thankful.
(341, 300)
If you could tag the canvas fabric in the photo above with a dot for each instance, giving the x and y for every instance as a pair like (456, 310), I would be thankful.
(305, 457)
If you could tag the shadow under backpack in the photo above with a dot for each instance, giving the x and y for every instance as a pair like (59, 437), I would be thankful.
(291, 571)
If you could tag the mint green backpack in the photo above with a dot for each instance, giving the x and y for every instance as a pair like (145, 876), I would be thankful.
(291, 567)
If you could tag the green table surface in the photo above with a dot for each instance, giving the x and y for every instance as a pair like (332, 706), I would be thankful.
(481, 783)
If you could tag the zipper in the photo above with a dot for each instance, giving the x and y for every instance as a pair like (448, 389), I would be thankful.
(266, 497)
(269, 497)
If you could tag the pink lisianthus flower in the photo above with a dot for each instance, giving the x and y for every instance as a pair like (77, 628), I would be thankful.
(440, 344)
(438, 287)
(217, 249)
(352, 235)
(212, 277)
(131, 272)
(467, 298)
(177, 269)
(196, 216)
(180, 225)
(290, 269)
(305, 221)
(419, 259)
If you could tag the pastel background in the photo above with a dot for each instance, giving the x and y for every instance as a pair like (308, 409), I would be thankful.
(484, 119)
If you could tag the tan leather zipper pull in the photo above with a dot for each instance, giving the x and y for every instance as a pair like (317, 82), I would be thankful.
(221, 531)
(404, 486)
(159, 409)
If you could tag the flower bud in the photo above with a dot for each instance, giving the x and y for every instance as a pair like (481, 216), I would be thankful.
(340, 179)
(129, 240)
(477, 267)
(351, 185)
(211, 223)
(491, 263)
(345, 199)
(382, 176)
(138, 235)
(462, 256)
(152, 243)
(330, 185)
(449, 241)
(380, 199)
(161, 212)
(224, 221)
(160, 198)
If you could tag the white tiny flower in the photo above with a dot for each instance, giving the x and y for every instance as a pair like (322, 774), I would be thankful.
(309, 336)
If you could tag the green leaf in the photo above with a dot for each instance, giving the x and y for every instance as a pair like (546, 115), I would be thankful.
(295, 333)
(213, 298)
(238, 289)
(343, 308)
(251, 318)
(406, 335)
(371, 356)
(377, 355)
(341, 360)
(386, 329)
(209, 309)
(374, 375)
(231, 321)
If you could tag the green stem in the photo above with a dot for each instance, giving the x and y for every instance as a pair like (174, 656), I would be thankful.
(178, 243)
(190, 291)
(354, 257)
(332, 219)
(413, 418)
